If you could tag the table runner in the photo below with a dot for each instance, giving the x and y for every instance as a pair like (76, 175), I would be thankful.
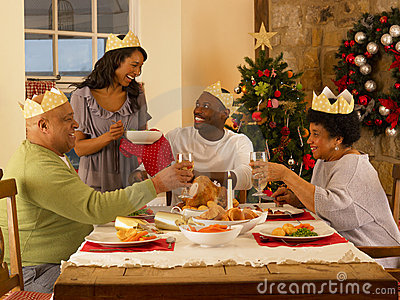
(244, 250)
(303, 217)
(329, 240)
(159, 245)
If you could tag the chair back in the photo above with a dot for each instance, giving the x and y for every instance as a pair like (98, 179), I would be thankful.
(1, 173)
(8, 189)
(396, 192)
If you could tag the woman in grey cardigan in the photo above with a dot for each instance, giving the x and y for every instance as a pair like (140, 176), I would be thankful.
(345, 190)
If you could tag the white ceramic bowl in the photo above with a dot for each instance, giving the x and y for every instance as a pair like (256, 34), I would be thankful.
(247, 224)
(143, 136)
(210, 239)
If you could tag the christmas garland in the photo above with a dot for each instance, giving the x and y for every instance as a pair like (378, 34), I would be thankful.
(371, 37)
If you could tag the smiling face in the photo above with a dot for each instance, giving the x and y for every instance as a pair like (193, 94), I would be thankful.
(209, 113)
(61, 129)
(321, 143)
(129, 69)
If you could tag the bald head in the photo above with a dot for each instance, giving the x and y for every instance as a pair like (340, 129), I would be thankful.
(54, 129)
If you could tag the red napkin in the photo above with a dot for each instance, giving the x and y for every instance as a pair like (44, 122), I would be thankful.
(155, 157)
(303, 217)
(329, 240)
(159, 245)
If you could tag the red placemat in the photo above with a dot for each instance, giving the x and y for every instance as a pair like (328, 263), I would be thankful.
(329, 240)
(303, 217)
(159, 245)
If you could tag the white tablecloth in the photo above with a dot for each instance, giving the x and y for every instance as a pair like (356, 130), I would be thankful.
(244, 250)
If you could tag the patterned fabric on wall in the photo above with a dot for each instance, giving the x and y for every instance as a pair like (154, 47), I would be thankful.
(37, 87)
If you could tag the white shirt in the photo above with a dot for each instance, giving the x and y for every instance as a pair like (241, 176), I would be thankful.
(230, 153)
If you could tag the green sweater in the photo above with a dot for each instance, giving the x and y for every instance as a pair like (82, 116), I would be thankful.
(56, 209)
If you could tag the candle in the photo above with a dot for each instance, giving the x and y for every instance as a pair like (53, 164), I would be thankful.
(230, 191)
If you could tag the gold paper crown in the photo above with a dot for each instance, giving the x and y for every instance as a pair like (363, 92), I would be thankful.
(344, 103)
(215, 90)
(51, 100)
(114, 42)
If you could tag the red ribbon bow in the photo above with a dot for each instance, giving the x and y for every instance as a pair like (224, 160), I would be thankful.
(263, 73)
(308, 162)
(393, 117)
(285, 140)
(342, 83)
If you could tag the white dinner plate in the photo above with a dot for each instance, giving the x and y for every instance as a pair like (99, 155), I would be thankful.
(143, 136)
(323, 231)
(110, 239)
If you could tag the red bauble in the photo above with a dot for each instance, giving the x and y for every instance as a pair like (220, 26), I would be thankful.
(397, 85)
(256, 116)
(272, 125)
(378, 122)
(253, 82)
(367, 54)
(350, 58)
(346, 43)
(277, 94)
(363, 100)
(383, 19)
(343, 55)
(354, 92)
(285, 131)
(352, 43)
(351, 72)
(378, 29)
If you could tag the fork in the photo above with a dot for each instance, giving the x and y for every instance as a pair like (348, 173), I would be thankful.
(291, 216)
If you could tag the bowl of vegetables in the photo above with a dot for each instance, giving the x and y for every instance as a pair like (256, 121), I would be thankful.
(211, 235)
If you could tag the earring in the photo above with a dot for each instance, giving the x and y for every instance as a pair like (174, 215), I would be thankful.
(336, 148)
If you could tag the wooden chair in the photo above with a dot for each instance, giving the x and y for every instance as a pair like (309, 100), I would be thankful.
(396, 192)
(13, 280)
(1, 173)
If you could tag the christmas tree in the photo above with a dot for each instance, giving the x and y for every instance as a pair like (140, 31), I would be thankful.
(272, 113)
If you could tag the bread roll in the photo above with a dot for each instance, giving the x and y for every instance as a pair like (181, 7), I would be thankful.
(235, 214)
(249, 214)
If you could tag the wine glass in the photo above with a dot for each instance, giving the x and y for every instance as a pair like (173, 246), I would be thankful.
(257, 179)
(187, 157)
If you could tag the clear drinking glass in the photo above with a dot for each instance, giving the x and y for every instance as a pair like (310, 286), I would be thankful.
(188, 157)
(258, 180)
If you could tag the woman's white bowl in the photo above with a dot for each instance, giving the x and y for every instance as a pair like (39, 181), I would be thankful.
(143, 136)
(210, 239)
(247, 225)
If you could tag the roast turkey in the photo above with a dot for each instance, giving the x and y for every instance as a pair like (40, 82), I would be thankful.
(204, 190)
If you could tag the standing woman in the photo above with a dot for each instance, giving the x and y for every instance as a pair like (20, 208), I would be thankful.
(108, 102)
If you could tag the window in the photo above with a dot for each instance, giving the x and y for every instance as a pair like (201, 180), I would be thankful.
(67, 37)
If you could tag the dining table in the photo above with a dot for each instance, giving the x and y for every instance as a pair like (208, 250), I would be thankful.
(246, 268)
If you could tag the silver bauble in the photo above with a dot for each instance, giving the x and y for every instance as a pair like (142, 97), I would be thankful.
(394, 30)
(360, 37)
(238, 90)
(291, 161)
(398, 46)
(386, 39)
(370, 85)
(372, 48)
(383, 110)
(360, 60)
(391, 132)
(365, 69)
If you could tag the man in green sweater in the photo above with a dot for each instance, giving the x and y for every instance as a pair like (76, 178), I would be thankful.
(55, 208)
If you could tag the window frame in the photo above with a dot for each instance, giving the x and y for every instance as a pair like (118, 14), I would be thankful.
(64, 81)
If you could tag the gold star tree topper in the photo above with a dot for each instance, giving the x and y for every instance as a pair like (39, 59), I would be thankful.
(263, 37)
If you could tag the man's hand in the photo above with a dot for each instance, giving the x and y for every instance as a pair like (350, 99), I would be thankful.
(173, 177)
(283, 195)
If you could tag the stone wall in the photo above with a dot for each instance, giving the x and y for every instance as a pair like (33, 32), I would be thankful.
(309, 35)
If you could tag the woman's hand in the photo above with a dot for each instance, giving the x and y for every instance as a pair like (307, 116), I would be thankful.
(116, 131)
(269, 171)
(285, 196)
